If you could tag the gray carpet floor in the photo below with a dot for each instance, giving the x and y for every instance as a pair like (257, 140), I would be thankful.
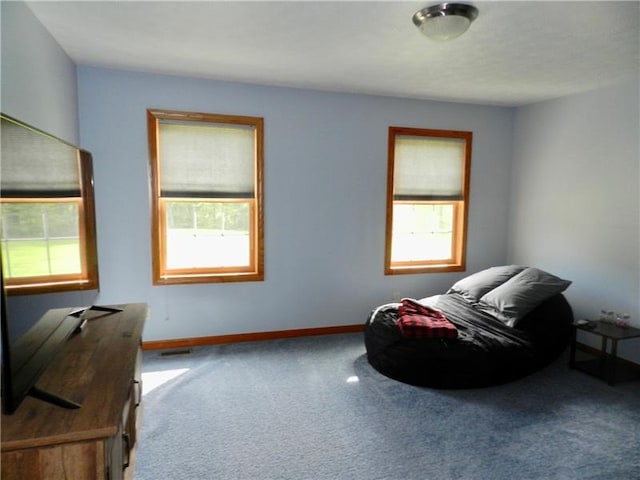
(313, 408)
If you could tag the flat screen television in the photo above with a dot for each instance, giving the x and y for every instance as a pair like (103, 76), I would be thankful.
(48, 254)
(34, 327)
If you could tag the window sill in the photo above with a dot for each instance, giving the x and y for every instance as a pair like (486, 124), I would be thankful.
(208, 278)
(404, 270)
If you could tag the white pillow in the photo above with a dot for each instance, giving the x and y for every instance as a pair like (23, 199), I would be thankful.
(520, 294)
(473, 287)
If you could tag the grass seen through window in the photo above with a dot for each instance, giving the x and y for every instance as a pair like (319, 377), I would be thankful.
(35, 258)
(40, 239)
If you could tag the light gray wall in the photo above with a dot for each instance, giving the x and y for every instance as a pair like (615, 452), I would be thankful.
(325, 191)
(39, 83)
(575, 201)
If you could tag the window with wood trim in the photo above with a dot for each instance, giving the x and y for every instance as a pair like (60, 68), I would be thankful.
(427, 200)
(207, 212)
(47, 222)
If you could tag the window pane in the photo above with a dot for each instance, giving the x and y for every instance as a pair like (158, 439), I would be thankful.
(207, 234)
(422, 232)
(40, 239)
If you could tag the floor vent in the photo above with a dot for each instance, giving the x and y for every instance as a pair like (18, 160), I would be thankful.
(171, 353)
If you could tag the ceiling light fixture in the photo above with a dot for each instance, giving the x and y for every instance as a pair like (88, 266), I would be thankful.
(445, 21)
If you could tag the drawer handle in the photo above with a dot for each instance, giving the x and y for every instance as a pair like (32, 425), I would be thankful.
(138, 391)
(126, 449)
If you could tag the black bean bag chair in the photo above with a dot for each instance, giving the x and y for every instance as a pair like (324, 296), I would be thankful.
(510, 322)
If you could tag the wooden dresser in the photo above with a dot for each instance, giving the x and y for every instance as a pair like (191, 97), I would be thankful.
(100, 369)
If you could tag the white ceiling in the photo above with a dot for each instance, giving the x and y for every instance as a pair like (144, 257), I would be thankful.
(515, 53)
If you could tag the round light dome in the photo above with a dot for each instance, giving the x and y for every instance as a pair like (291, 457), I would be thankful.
(445, 21)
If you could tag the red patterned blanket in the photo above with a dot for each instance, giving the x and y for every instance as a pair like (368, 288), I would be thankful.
(419, 321)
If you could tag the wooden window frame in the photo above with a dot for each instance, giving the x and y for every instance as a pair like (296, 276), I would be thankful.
(457, 262)
(255, 270)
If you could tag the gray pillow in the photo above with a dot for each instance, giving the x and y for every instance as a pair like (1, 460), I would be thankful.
(520, 294)
(473, 287)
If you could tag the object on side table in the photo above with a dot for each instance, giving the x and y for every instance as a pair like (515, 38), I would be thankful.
(585, 324)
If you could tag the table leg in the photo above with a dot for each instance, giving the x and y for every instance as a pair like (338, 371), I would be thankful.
(603, 358)
(614, 361)
(572, 354)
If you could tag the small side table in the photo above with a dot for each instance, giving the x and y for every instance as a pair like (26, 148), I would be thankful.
(605, 366)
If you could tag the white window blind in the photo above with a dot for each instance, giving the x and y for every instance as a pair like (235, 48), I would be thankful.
(206, 160)
(428, 168)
